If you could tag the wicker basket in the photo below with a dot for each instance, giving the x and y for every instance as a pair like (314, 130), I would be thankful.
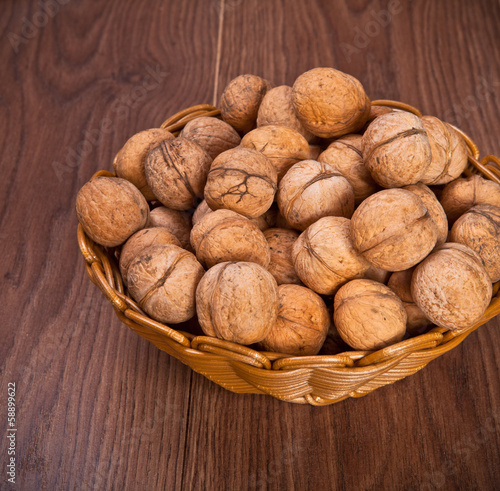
(317, 380)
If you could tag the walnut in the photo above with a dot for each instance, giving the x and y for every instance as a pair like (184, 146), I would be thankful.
(376, 111)
(311, 190)
(462, 194)
(241, 180)
(330, 103)
(224, 235)
(302, 323)
(176, 172)
(111, 209)
(280, 242)
(240, 101)
(237, 301)
(201, 210)
(452, 287)
(129, 161)
(324, 257)
(211, 134)
(369, 315)
(449, 152)
(345, 156)
(396, 149)
(176, 222)
(377, 274)
(280, 144)
(393, 230)
(162, 279)
(314, 152)
(479, 229)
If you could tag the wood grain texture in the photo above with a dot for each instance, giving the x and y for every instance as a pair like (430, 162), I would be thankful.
(100, 408)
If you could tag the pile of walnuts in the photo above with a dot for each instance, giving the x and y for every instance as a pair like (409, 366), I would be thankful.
(300, 201)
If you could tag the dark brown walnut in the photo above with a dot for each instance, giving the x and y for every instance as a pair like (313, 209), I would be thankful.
(176, 172)
(479, 229)
(302, 323)
(311, 190)
(368, 315)
(280, 144)
(452, 287)
(240, 101)
(281, 222)
(315, 151)
(110, 210)
(449, 152)
(324, 256)
(277, 108)
(330, 103)
(211, 134)
(129, 161)
(176, 222)
(280, 242)
(393, 230)
(140, 241)
(462, 194)
(434, 208)
(224, 235)
(241, 180)
(162, 279)
(238, 302)
(396, 149)
(345, 156)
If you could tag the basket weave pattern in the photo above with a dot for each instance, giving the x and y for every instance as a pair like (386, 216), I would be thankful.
(317, 380)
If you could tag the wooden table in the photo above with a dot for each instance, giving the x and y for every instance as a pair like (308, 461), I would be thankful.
(100, 408)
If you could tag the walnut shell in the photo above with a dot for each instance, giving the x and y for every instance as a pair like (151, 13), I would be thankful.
(237, 301)
(452, 287)
(311, 190)
(462, 194)
(393, 230)
(280, 144)
(176, 222)
(302, 323)
(330, 103)
(479, 229)
(280, 242)
(211, 134)
(228, 236)
(314, 152)
(241, 99)
(277, 108)
(129, 161)
(369, 315)
(377, 274)
(162, 279)
(324, 257)
(376, 111)
(201, 210)
(111, 209)
(241, 180)
(396, 149)
(345, 156)
(176, 172)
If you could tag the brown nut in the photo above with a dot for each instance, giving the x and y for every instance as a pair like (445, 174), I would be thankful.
(330, 103)
(176, 222)
(241, 180)
(462, 194)
(176, 172)
(302, 323)
(377, 274)
(162, 279)
(393, 230)
(452, 287)
(237, 301)
(201, 210)
(345, 156)
(324, 257)
(396, 149)
(240, 101)
(280, 242)
(314, 152)
(280, 144)
(479, 229)
(449, 152)
(224, 235)
(311, 190)
(211, 134)
(129, 161)
(111, 209)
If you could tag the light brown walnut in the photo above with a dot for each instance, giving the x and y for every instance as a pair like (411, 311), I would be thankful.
(176, 222)
(280, 242)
